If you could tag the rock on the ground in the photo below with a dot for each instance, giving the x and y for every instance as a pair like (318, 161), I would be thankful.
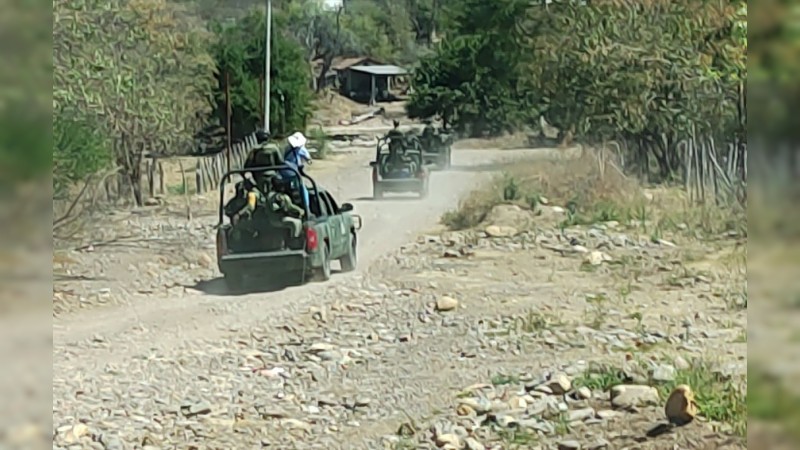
(569, 445)
(595, 258)
(509, 216)
(629, 396)
(499, 231)
(579, 415)
(583, 393)
(559, 384)
(663, 373)
(448, 439)
(446, 303)
(681, 407)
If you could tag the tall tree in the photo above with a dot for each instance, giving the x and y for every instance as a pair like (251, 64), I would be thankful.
(648, 73)
(322, 35)
(239, 52)
(138, 69)
(476, 78)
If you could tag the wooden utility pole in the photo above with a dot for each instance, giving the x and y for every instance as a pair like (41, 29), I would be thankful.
(228, 114)
(261, 109)
(267, 65)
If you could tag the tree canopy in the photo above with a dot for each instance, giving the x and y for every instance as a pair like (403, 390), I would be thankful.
(646, 72)
(147, 75)
(137, 70)
(239, 53)
(477, 78)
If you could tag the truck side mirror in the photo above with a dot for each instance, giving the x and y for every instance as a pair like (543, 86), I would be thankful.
(346, 207)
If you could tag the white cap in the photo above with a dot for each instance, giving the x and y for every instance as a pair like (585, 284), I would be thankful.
(297, 140)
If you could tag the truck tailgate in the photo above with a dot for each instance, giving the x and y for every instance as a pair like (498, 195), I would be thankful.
(284, 260)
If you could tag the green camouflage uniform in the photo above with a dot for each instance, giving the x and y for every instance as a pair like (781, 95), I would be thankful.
(266, 154)
(397, 141)
(281, 212)
(429, 138)
(428, 132)
(245, 223)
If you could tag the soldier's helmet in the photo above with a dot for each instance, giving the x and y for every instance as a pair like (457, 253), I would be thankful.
(268, 155)
(262, 136)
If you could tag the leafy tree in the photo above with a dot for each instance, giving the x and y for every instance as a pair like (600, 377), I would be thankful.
(239, 52)
(139, 70)
(476, 79)
(25, 101)
(774, 58)
(323, 37)
(428, 18)
(25, 143)
(648, 73)
(80, 150)
(374, 26)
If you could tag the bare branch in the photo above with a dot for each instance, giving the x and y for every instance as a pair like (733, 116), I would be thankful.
(69, 216)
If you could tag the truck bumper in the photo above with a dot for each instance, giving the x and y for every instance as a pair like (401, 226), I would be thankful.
(265, 263)
(401, 184)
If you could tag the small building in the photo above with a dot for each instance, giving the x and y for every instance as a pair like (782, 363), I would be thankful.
(363, 78)
(339, 66)
(370, 83)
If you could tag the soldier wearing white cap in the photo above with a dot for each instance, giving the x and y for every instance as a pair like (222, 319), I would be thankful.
(296, 156)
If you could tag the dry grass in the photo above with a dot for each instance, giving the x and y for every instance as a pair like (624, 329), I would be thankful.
(507, 142)
(330, 108)
(593, 189)
(719, 399)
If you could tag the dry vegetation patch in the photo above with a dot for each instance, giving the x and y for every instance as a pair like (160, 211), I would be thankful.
(592, 189)
(572, 266)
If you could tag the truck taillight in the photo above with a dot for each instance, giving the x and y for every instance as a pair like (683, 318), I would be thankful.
(222, 244)
(312, 240)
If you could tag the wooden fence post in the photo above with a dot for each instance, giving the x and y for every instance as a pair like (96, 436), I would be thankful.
(198, 178)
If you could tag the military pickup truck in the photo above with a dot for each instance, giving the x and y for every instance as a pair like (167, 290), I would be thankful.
(252, 249)
(437, 149)
(400, 171)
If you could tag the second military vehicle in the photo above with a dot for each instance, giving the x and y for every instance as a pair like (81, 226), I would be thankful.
(437, 149)
(399, 167)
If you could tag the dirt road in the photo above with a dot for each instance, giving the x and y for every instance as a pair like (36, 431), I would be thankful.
(386, 357)
(146, 321)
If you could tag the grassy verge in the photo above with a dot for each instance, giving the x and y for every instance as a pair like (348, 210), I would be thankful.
(320, 141)
(593, 190)
(770, 402)
(719, 398)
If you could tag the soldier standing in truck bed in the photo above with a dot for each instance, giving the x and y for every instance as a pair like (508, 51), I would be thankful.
(281, 212)
(264, 154)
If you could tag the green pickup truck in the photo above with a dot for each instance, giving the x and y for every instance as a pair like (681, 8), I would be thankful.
(251, 249)
(437, 149)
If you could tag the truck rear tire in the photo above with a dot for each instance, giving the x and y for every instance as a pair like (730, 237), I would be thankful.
(234, 283)
(423, 190)
(350, 260)
(324, 272)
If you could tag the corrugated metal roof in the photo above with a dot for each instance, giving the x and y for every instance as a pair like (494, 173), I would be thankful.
(345, 63)
(381, 70)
